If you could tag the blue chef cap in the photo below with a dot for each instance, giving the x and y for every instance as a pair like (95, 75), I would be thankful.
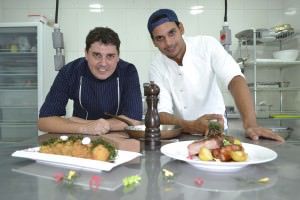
(159, 17)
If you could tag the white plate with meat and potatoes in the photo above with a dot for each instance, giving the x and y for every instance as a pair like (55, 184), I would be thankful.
(188, 151)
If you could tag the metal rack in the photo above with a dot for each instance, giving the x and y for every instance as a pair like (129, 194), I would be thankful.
(263, 35)
(259, 36)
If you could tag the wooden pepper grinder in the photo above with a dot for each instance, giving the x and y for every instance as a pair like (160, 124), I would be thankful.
(152, 121)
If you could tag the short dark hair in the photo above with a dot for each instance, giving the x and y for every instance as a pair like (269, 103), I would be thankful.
(104, 35)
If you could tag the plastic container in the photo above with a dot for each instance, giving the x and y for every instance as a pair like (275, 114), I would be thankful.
(286, 55)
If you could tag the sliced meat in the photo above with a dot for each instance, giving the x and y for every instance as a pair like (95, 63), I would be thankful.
(216, 153)
(225, 154)
(233, 147)
(210, 143)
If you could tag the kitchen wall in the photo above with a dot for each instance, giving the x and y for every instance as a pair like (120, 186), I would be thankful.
(292, 16)
(129, 19)
(1, 10)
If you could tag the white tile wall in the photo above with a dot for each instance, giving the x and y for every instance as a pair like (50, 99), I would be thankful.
(1, 6)
(291, 14)
(129, 19)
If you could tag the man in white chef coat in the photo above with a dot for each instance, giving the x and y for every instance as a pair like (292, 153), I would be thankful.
(187, 70)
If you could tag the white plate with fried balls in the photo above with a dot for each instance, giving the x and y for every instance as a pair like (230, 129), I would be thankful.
(75, 162)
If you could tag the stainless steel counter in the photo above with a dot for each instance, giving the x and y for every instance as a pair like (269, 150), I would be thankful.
(28, 180)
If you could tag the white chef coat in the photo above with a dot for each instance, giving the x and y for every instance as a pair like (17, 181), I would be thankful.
(191, 90)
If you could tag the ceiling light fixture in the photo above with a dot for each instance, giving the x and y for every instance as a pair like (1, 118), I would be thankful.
(95, 6)
(96, 10)
(196, 10)
(291, 11)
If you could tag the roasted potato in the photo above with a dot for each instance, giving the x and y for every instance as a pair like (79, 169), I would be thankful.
(205, 154)
(239, 156)
(237, 141)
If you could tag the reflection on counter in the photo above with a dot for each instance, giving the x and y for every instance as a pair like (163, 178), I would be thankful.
(246, 179)
(109, 181)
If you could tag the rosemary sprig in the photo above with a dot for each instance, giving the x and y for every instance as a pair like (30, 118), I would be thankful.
(214, 128)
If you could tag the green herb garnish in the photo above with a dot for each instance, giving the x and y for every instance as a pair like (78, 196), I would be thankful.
(131, 180)
(214, 128)
(226, 142)
(49, 142)
(72, 138)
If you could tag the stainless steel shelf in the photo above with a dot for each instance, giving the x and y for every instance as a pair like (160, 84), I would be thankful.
(8, 53)
(21, 89)
(272, 63)
(12, 123)
(18, 107)
(16, 74)
(269, 115)
(255, 35)
(233, 115)
(276, 89)
(264, 35)
(17, 124)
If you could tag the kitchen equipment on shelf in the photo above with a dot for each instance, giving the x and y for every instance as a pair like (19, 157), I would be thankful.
(278, 35)
(286, 55)
(262, 35)
(243, 54)
(283, 30)
(263, 106)
(229, 109)
(266, 35)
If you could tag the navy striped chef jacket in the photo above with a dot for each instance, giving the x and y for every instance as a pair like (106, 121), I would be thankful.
(97, 96)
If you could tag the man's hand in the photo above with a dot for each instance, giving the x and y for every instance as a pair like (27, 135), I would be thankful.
(96, 127)
(200, 125)
(255, 133)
